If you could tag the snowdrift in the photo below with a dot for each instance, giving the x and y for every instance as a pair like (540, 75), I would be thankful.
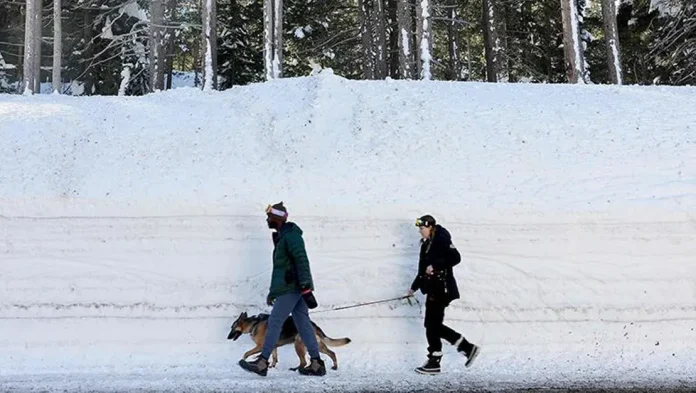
(133, 231)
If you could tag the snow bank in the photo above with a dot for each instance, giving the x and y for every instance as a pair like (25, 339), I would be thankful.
(133, 228)
(323, 141)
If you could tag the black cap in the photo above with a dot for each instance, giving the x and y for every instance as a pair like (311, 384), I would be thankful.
(426, 221)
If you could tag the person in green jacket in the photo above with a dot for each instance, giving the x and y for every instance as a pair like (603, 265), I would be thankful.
(290, 293)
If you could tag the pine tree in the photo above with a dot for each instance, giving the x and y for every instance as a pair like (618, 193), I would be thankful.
(322, 33)
(675, 45)
(240, 46)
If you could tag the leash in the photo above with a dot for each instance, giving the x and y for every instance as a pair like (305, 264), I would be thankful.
(370, 303)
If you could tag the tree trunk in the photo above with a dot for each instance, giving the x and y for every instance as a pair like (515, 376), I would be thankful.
(57, 45)
(268, 30)
(156, 66)
(404, 18)
(366, 29)
(380, 39)
(38, 39)
(424, 40)
(574, 56)
(29, 30)
(611, 33)
(209, 46)
(274, 9)
(196, 62)
(171, 44)
(508, 54)
(453, 41)
(468, 58)
(87, 53)
(492, 41)
(393, 54)
(273, 38)
(21, 19)
(278, 35)
(20, 60)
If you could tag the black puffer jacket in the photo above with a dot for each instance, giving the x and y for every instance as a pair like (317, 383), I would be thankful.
(439, 252)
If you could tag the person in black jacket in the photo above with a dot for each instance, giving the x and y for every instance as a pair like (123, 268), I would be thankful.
(436, 280)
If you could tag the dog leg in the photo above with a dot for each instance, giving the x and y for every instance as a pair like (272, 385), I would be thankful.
(301, 351)
(324, 349)
(252, 351)
(275, 358)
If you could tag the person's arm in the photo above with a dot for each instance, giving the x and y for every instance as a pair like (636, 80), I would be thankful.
(298, 253)
(445, 255)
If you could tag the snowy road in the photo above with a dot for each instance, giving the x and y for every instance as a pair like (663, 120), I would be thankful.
(370, 369)
(512, 372)
(386, 383)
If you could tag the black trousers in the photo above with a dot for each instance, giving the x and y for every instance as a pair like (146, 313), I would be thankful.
(436, 330)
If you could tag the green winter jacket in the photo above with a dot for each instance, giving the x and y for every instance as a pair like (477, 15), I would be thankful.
(290, 263)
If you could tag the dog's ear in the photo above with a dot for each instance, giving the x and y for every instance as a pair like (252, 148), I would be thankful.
(244, 314)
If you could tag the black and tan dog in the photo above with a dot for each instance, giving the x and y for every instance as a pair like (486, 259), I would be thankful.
(255, 326)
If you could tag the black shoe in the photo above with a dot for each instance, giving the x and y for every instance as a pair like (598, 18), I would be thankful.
(471, 353)
(432, 365)
(316, 367)
(258, 366)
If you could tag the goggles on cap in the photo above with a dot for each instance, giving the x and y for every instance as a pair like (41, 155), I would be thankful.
(275, 212)
(423, 223)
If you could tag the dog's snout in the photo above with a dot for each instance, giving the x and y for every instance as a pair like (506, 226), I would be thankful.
(234, 335)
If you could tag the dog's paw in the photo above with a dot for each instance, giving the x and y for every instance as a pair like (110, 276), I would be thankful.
(334, 368)
(294, 368)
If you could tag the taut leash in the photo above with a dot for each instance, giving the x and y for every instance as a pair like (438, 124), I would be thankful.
(369, 303)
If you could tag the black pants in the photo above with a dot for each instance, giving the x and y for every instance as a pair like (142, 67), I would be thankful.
(435, 330)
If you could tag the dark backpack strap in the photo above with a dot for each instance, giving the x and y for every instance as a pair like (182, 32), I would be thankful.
(453, 254)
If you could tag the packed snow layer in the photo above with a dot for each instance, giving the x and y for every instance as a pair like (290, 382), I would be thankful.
(323, 143)
(133, 232)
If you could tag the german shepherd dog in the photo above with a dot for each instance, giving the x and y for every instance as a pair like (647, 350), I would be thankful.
(256, 325)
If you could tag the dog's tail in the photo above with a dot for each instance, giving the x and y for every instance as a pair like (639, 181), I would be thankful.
(336, 342)
(332, 342)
